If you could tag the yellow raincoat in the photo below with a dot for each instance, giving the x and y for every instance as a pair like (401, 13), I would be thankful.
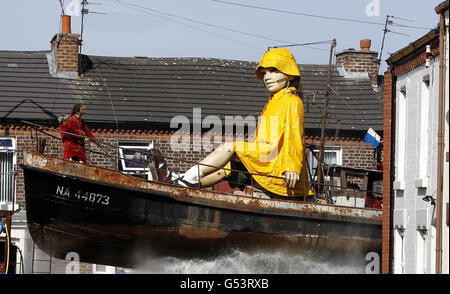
(278, 144)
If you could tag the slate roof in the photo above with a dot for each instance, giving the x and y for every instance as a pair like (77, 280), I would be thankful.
(146, 91)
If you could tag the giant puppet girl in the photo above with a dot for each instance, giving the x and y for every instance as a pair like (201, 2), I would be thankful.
(277, 150)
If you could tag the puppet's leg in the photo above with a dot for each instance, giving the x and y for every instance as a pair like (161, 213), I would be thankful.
(211, 163)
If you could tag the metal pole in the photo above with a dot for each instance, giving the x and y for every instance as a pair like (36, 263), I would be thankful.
(324, 118)
(252, 186)
(83, 12)
(440, 147)
(382, 42)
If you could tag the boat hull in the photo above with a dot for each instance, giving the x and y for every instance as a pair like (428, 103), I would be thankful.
(108, 223)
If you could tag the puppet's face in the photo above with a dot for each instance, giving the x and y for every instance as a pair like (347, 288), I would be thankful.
(274, 79)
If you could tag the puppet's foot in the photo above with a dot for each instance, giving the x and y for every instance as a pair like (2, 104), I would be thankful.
(180, 181)
(189, 178)
(193, 175)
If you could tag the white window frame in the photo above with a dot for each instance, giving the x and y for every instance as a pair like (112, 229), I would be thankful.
(399, 251)
(421, 252)
(424, 131)
(14, 144)
(12, 149)
(401, 118)
(137, 145)
(327, 149)
(103, 269)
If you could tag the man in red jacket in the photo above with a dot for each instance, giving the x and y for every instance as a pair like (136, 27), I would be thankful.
(74, 145)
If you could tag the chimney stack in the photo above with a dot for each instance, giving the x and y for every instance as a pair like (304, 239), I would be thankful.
(359, 63)
(65, 47)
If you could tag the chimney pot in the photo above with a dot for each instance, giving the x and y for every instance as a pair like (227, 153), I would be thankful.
(365, 44)
(65, 29)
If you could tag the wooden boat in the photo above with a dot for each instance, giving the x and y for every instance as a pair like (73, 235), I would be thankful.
(107, 217)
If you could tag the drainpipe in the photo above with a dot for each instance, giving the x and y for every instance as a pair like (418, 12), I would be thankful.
(440, 146)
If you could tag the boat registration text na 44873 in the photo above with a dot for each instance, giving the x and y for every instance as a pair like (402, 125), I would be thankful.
(86, 196)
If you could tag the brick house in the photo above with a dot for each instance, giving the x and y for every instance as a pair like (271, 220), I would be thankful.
(131, 102)
(413, 90)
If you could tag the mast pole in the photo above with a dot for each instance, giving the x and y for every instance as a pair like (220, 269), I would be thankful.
(320, 179)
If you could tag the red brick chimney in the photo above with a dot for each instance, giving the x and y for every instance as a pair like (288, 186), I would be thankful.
(358, 62)
(65, 46)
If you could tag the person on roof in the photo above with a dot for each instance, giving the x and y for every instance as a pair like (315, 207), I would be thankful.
(63, 119)
(277, 150)
(74, 146)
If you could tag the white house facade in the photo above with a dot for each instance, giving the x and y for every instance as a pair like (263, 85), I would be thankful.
(415, 155)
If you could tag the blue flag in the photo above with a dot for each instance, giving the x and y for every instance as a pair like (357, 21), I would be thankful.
(373, 138)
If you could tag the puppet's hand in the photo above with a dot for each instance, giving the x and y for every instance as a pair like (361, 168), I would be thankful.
(291, 178)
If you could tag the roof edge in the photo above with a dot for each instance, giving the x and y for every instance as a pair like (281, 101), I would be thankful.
(26, 51)
(396, 56)
(441, 7)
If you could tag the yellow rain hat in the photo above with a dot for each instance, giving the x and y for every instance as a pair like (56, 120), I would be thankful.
(280, 58)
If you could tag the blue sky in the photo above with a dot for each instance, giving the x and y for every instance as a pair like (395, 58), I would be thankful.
(122, 31)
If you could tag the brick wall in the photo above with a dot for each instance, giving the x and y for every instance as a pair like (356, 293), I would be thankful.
(359, 156)
(355, 152)
(416, 58)
(389, 88)
(360, 61)
(67, 46)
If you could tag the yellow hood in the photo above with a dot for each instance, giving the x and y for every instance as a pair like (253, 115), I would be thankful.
(280, 58)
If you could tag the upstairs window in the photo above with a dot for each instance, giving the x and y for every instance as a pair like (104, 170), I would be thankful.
(7, 163)
(401, 134)
(102, 269)
(331, 156)
(133, 159)
(424, 133)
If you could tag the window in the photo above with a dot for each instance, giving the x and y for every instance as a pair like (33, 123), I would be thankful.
(331, 155)
(420, 252)
(132, 157)
(401, 134)
(7, 163)
(399, 252)
(102, 269)
(423, 139)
